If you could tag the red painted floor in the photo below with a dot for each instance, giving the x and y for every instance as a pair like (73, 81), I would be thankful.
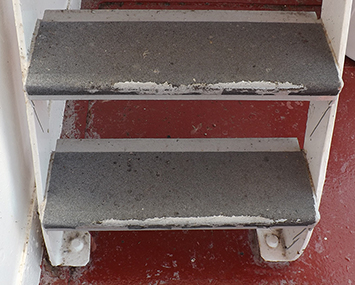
(281, 5)
(220, 256)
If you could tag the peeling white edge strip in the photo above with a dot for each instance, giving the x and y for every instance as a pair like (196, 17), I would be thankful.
(179, 145)
(190, 223)
(179, 16)
(278, 97)
(152, 88)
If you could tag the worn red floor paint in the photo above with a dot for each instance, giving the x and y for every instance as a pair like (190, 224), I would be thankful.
(195, 119)
(279, 5)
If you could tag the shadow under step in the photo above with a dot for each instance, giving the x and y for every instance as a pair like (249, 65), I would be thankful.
(178, 190)
(86, 58)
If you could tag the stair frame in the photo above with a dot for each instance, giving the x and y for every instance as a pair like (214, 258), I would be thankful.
(45, 122)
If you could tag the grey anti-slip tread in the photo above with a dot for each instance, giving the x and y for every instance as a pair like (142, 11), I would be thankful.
(180, 58)
(152, 190)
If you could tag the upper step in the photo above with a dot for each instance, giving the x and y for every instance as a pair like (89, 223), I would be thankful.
(83, 58)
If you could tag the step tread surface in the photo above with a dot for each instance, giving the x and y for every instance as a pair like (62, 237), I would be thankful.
(181, 58)
(122, 190)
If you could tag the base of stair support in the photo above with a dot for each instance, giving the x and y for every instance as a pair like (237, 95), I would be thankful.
(72, 248)
(68, 248)
(283, 244)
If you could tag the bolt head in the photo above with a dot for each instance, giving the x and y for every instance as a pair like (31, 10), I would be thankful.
(77, 244)
(272, 240)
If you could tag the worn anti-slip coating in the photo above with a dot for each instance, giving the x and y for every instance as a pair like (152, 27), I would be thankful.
(84, 58)
(85, 189)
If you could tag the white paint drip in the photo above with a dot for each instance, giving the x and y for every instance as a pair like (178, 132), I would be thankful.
(259, 87)
(192, 221)
(93, 91)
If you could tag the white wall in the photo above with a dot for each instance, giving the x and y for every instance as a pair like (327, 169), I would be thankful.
(20, 232)
(16, 170)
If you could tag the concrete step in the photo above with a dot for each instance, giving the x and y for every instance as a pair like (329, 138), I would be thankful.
(81, 57)
(184, 190)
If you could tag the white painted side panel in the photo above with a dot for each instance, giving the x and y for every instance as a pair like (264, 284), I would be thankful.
(44, 122)
(44, 117)
(74, 4)
(336, 18)
(350, 48)
(321, 115)
(29, 272)
(16, 170)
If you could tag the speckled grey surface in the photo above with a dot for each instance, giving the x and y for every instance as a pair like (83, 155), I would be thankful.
(77, 58)
(88, 188)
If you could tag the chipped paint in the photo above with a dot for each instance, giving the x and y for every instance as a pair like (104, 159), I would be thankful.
(93, 91)
(231, 88)
(191, 221)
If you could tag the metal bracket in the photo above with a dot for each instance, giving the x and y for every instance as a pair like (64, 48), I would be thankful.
(68, 248)
(283, 244)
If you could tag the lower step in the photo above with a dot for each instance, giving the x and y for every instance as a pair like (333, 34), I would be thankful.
(158, 190)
